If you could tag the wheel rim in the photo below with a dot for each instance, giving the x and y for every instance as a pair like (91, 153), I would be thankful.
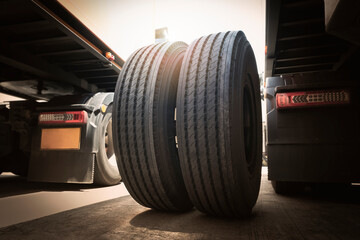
(109, 144)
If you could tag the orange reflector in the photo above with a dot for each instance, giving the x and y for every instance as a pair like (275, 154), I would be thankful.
(63, 117)
(312, 98)
(60, 138)
(109, 56)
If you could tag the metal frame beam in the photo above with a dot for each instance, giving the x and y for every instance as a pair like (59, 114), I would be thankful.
(24, 61)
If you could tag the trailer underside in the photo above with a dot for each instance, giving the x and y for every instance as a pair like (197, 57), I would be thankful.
(47, 52)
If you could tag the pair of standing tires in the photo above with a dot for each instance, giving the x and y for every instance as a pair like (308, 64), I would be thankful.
(208, 153)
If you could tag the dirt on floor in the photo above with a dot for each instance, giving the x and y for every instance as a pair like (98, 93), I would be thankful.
(319, 213)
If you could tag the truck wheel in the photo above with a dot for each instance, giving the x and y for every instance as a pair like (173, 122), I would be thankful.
(144, 127)
(219, 124)
(106, 171)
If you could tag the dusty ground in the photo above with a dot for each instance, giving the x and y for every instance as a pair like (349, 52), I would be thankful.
(313, 214)
(22, 201)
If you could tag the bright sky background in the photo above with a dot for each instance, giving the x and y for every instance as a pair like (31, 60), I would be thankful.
(126, 25)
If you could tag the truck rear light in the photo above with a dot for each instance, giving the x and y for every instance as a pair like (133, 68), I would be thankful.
(312, 98)
(63, 117)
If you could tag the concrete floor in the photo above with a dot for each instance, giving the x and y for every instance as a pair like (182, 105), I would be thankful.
(313, 214)
(22, 201)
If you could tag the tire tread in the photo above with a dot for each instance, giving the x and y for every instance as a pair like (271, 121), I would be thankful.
(203, 129)
(133, 98)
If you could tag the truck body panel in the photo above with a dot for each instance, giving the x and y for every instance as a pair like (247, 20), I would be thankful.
(311, 143)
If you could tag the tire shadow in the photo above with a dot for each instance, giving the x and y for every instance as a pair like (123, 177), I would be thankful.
(193, 222)
(13, 185)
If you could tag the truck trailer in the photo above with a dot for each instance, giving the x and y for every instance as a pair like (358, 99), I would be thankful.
(312, 92)
(61, 131)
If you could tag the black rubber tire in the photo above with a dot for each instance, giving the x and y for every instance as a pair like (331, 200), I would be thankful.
(106, 172)
(220, 149)
(144, 127)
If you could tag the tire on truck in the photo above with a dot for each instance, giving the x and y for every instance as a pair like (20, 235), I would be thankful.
(106, 171)
(144, 127)
(219, 124)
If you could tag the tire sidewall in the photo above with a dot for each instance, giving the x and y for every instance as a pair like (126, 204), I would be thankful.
(107, 173)
(245, 75)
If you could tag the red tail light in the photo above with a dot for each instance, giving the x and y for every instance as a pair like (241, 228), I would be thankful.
(63, 117)
(312, 98)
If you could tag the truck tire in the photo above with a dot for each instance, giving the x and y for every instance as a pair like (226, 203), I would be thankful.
(106, 171)
(219, 124)
(144, 127)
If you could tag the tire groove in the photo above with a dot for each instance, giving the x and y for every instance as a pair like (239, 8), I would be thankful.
(186, 132)
(195, 122)
(153, 201)
(206, 123)
(143, 126)
(143, 198)
(118, 102)
(222, 180)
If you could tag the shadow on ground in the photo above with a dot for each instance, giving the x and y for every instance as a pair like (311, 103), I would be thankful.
(192, 222)
(12, 185)
(318, 213)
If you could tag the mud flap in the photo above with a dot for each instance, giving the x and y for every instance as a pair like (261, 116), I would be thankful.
(61, 167)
